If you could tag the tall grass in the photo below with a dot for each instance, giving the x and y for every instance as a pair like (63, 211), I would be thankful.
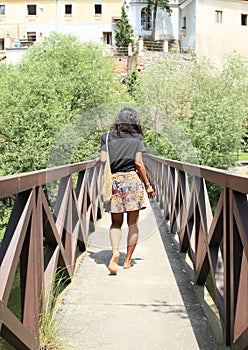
(48, 330)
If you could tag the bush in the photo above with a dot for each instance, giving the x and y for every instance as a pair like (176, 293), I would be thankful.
(57, 80)
(198, 106)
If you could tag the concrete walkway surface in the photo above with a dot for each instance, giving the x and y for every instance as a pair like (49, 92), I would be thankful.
(152, 306)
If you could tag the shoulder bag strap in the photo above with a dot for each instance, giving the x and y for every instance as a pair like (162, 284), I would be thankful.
(107, 142)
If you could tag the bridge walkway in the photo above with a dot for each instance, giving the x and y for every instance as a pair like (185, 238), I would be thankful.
(152, 306)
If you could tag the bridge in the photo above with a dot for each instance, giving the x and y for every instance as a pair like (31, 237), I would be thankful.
(56, 212)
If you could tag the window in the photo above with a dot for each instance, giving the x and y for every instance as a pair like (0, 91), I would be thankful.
(98, 9)
(32, 10)
(146, 19)
(184, 22)
(1, 44)
(218, 16)
(68, 10)
(243, 19)
(31, 36)
(107, 38)
(2, 10)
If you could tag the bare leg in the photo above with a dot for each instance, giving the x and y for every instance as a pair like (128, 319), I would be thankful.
(115, 237)
(133, 235)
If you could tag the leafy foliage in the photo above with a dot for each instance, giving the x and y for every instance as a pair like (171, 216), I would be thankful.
(124, 33)
(57, 80)
(5, 211)
(199, 108)
(131, 82)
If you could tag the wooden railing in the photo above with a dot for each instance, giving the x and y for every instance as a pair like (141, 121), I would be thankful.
(45, 231)
(216, 242)
(157, 45)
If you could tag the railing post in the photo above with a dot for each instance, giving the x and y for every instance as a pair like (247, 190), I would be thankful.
(140, 44)
(166, 191)
(239, 271)
(130, 59)
(172, 202)
(165, 46)
(33, 256)
(227, 262)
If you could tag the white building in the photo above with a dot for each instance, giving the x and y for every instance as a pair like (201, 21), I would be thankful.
(141, 20)
(211, 28)
(214, 28)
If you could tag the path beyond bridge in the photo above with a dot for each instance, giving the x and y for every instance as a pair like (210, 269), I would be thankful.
(152, 306)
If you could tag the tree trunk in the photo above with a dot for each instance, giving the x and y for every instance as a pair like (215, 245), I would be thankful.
(154, 20)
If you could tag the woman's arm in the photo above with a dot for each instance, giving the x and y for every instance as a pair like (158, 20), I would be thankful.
(102, 159)
(103, 156)
(142, 174)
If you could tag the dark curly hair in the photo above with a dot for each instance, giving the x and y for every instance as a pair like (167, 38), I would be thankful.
(127, 120)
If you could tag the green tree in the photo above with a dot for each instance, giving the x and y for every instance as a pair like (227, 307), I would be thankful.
(198, 107)
(124, 33)
(132, 81)
(57, 80)
(154, 5)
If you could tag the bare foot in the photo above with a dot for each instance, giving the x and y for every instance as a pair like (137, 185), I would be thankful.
(128, 264)
(113, 265)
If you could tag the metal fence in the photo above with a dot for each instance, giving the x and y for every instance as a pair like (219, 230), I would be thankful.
(217, 242)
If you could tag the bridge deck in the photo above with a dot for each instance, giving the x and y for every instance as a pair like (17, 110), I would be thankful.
(152, 306)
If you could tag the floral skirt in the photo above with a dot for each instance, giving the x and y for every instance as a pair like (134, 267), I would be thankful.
(127, 193)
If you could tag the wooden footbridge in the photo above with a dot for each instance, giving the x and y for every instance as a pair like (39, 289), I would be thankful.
(54, 213)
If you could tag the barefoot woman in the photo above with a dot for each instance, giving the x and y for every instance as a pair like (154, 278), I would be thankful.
(125, 145)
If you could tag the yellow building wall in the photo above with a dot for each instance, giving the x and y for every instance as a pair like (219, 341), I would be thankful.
(16, 21)
(51, 17)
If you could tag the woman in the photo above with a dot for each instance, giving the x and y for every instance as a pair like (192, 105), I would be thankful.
(125, 145)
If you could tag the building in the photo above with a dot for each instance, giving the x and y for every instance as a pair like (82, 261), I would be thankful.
(214, 28)
(211, 28)
(23, 22)
(141, 20)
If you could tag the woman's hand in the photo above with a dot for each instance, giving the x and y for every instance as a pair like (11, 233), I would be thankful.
(150, 191)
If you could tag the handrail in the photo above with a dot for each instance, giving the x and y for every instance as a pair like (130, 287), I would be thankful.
(225, 178)
(44, 232)
(154, 45)
(13, 184)
(217, 242)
